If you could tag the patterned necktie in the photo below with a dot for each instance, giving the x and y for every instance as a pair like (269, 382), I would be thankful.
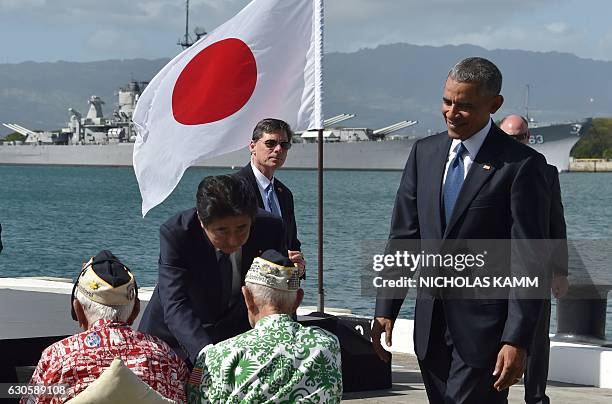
(225, 273)
(454, 180)
(270, 199)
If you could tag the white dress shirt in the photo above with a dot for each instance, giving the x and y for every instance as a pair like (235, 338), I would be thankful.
(472, 146)
(262, 184)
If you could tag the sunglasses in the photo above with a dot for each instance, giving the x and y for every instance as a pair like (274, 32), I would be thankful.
(271, 144)
(520, 137)
(86, 265)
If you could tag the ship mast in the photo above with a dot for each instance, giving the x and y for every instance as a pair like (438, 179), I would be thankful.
(186, 41)
(527, 102)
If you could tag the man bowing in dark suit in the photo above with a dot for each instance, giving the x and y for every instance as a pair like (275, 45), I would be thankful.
(471, 182)
(269, 146)
(205, 253)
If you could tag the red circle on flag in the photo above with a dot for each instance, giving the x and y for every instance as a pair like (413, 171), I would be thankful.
(215, 84)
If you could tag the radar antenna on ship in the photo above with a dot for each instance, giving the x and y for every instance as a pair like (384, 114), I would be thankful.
(186, 41)
(527, 103)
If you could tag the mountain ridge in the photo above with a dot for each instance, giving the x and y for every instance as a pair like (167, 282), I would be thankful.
(380, 85)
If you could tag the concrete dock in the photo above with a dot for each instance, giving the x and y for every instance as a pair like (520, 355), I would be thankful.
(569, 362)
(590, 165)
(408, 388)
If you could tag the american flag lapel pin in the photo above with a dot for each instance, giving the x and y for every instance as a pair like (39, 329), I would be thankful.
(486, 166)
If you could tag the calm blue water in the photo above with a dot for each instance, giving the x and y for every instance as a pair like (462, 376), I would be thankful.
(54, 218)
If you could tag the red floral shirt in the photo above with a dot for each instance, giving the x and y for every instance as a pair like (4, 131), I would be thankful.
(78, 360)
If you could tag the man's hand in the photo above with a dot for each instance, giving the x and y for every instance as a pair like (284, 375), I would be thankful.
(509, 367)
(297, 257)
(380, 325)
(559, 286)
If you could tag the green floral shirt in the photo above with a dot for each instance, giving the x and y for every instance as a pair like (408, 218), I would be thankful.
(278, 361)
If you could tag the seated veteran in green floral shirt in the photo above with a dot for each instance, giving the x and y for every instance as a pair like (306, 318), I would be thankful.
(279, 360)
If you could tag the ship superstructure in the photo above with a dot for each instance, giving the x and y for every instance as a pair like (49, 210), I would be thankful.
(93, 128)
(346, 147)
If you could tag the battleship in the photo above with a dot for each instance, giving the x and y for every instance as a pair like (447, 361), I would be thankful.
(99, 141)
(556, 140)
(94, 128)
(96, 140)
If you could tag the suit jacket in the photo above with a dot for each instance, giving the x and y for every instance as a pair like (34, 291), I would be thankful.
(185, 309)
(285, 199)
(558, 235)
(504, 196)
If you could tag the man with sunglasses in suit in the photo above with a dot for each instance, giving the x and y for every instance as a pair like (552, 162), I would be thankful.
(269, 146)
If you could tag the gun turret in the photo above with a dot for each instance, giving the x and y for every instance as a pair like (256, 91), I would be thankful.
(382, 132)
(329, 122)
(75, 113)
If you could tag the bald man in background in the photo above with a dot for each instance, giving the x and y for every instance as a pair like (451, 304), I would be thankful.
(536, 371)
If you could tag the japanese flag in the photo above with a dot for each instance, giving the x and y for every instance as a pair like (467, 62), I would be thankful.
(264, 62)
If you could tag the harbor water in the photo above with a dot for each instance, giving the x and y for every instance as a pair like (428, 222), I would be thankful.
(56, 217)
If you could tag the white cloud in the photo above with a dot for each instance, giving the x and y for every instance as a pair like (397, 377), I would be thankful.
(109, 42)
(542, 25)
(557, 28)
(603, 47)
(352, 24)
(11, 5)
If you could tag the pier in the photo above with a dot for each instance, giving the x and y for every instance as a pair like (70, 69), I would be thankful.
(408, 388)
(590, 165)
(575, 369)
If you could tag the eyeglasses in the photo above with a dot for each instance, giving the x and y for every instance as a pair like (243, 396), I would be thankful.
(271, 144)
(520, 137)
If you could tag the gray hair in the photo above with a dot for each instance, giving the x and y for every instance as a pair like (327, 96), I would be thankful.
(271, 125)
(95, 311)
(479, 71)
(281, 300)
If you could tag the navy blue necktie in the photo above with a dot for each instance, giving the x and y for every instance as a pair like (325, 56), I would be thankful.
(270, 199)
(454, 181)
(225, 273)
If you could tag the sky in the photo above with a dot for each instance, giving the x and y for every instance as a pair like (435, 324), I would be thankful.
(91, 30)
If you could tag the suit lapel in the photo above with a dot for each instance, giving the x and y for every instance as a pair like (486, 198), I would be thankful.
(280, 195)
(207, 256)
(252, 247)
(437, 174)
(250, 176)
(246, 258)
(481, 170)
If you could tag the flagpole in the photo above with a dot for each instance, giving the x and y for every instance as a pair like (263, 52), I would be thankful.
(318, 40)
(321, 302)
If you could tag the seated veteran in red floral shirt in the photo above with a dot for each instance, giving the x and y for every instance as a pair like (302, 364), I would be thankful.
(105, 303)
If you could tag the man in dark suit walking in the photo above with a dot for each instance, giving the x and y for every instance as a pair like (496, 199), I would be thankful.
(536, 371)
(471, 182)
(269, 146)
(205, 253)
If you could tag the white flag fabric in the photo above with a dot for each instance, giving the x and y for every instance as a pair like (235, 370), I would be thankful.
(264, 62)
